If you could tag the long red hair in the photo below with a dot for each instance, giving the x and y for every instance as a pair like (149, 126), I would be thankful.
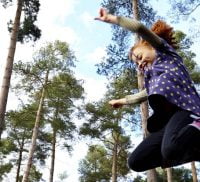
(163, 30)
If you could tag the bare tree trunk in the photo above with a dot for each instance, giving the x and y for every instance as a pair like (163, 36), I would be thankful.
(19, 161)
(114, 162)
(9, 65)
(53, 147)
(151, 174)
(135, 9)
(169, 174)
(35, 133)
(53, 156)
(194, 172)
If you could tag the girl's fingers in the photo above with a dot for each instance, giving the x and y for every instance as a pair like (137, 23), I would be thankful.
(101, 13)
(97, 18)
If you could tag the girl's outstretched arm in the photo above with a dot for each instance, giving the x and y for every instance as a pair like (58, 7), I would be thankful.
(129, 99)
(132, 25)
(104, 16)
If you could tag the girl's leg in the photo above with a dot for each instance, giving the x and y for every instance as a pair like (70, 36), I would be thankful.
(180, 138)
(147, 155)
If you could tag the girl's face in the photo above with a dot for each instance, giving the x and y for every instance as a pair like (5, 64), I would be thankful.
(143, 56)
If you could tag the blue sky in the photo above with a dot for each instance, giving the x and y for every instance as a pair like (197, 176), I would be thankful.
(73, 21)
(70, 21)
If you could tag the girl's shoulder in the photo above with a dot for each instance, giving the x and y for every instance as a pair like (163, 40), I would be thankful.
(166, 51)
(165, 46)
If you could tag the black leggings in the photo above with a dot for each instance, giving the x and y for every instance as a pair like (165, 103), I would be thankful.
(175, 144)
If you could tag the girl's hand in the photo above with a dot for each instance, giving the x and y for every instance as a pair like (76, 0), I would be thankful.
(117, 103)
(104, 16)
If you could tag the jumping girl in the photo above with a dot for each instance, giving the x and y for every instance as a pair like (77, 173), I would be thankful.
(175, 123)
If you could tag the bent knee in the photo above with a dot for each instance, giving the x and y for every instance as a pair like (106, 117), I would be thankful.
(169, 152)
(135, 164)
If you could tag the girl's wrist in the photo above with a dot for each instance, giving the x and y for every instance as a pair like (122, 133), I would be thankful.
(112, 19)
(123, 101)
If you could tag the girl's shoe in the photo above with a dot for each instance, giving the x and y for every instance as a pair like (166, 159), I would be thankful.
(196, 122)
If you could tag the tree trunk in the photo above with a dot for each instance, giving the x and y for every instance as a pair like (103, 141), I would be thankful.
(53, 155)
(19, 161)
(169, 174)
(9, 65)
(53, 146)
(114, 162)
(151, 174)
(194, 172)
(35, 133)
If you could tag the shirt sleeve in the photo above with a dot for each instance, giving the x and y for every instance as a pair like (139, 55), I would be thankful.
(136, 98)
(137, 27)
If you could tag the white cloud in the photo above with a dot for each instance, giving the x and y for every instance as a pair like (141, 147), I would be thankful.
(59, 33)
(96, 56)
(24, 52)
(56, 12)
(80, 150)
(87, 19)
(52, 19)
(95, 88)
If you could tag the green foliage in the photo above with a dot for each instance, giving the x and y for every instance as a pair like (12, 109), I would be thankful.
(139, 179)
(196, 76)
(182, 174)
(102, 117)
(117, 59)
(123, 144)
(105, 124)
(53, 59)
(178, 174)
(63, 176)
(27, 30)
(96, 166)
(35, 175)
(5, 168)
(19, 126)
(187, 55)
(62, 92)
(7, 146)
(183, 8)
(6, 3)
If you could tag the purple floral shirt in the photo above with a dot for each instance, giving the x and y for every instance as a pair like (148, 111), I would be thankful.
(168, 77)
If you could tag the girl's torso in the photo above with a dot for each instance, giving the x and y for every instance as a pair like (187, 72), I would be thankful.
(169, 78)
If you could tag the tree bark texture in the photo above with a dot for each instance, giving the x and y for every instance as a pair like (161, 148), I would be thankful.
(194, 172)
(53, 154)
(151, 174)
(114, 161)
(35, 132)
(169, 174)
(19, 161)
(9, 65)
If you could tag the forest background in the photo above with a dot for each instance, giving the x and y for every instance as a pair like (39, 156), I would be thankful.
(73, 22)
